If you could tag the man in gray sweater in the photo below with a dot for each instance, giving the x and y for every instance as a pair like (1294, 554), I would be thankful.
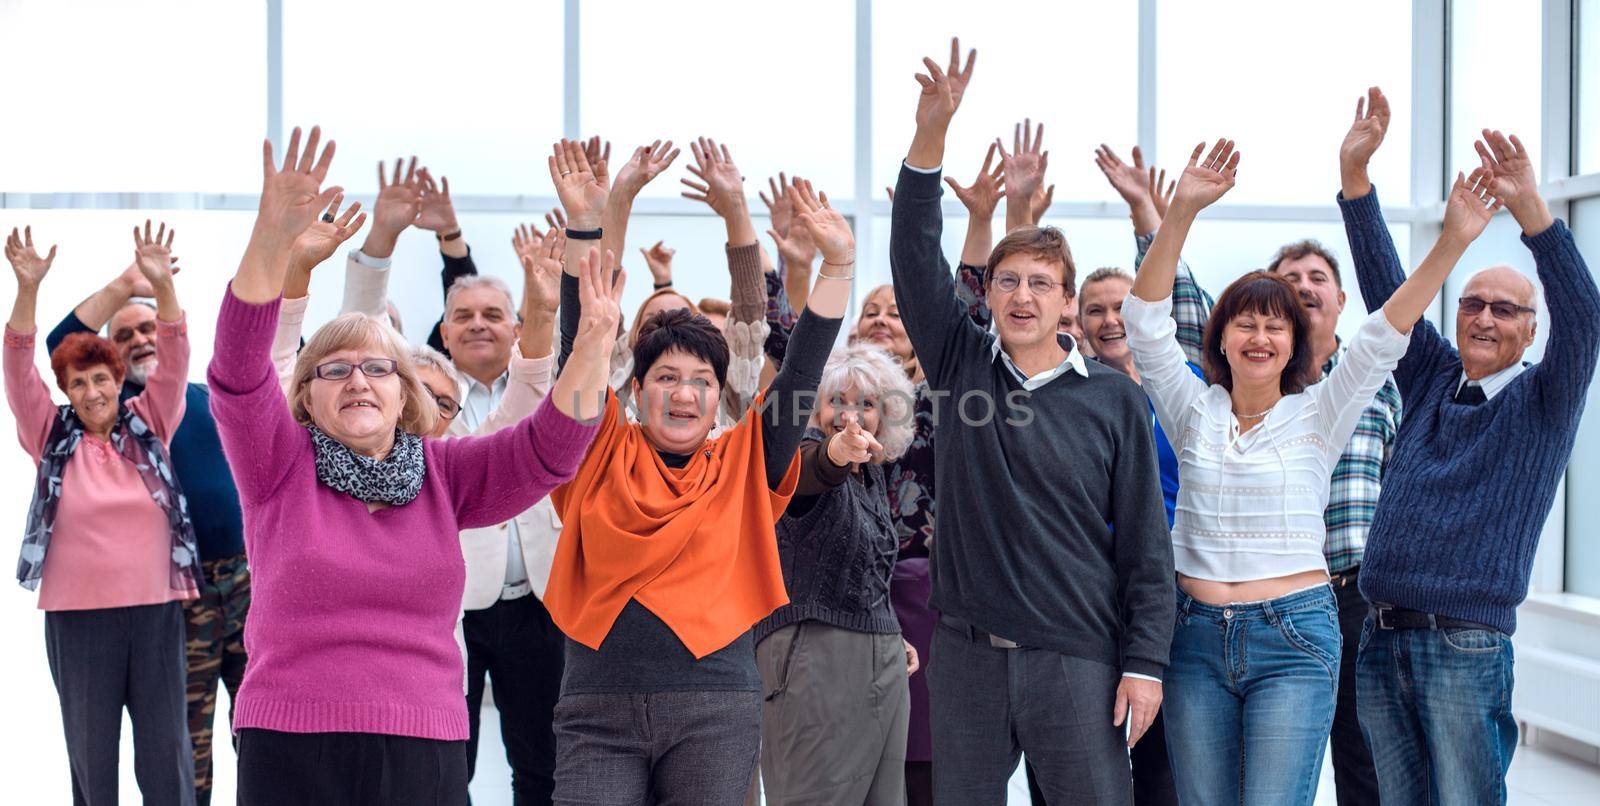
(1052, 565)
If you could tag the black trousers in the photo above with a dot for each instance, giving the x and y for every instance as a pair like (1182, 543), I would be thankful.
(516, 644)
(122, 657)
(1152, 772)
(1354, 779)
(351, 769)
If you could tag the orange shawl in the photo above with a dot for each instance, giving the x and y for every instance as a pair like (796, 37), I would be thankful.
(695, 545)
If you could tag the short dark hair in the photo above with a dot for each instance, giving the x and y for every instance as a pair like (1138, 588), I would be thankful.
(685, 331)
(81, 351)
(1265, 293)
(1046, 243)
(1300, 249)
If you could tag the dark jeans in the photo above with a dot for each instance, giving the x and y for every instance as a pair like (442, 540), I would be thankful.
(669, 748)
(1152, 771)
(105, 660)
(214, 654)
(1436, 709)
(516, 644)
(1355, 781)
(991, 704)
(350, 769)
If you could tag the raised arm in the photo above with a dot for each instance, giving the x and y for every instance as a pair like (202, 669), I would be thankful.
(580, 390)
(980, 198)
(646, 164)
(26, 392)
(291, 197)
(658, 259)
(584, 197)
(1201, 185)
(934, 317)
(96, 310)
(1024, 168)
(1132, 184)
(162, 402)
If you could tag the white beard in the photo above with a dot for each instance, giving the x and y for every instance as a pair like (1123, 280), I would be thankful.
(140, 373)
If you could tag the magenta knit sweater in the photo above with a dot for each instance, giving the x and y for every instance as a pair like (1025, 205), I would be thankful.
(352, 613)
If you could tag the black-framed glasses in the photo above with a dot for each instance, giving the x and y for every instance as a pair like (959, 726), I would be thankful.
(370, 367)
(448, 406)
(1037, 284)
(1504, 311)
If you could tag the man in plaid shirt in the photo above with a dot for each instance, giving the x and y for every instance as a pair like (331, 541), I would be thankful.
(1357, 478)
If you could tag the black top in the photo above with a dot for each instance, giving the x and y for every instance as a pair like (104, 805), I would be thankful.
(455, 268)
(1024, 545)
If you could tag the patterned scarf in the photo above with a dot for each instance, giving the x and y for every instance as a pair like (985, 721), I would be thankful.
(394, 481)
(134, 440)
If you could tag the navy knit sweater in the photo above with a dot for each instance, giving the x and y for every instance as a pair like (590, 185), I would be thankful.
(1467, 489)
(197, 459)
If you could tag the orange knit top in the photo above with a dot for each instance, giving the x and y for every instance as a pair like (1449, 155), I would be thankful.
(695, 545)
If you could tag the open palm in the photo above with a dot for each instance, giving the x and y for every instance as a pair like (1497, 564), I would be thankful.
(1204, 182)
(541, 273)
(578, 183)
(645, 165)
(829, 229)
(292, 195)
(25, 261)
(1470, 206)
(153, 253)
(1512, 168)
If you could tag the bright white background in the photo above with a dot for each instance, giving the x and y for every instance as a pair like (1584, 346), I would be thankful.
(123, 110)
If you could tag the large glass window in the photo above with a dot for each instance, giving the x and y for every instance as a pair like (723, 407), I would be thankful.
(1489, 90)
(1072, 66)
(1282, 80)
(1583, 473)
(1586, 87)
(156, 96)
(474, 89)
(782, 97)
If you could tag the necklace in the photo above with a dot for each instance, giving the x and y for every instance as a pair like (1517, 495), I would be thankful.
(1252, 416)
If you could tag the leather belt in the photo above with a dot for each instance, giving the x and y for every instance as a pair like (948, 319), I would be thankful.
(1389, 617)
(516, 591)
(974, 633)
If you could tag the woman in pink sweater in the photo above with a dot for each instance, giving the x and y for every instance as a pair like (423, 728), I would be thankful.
(353, 692)
(108, 534)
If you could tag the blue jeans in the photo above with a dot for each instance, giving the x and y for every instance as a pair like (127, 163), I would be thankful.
(1436, 709)
(1250, 694)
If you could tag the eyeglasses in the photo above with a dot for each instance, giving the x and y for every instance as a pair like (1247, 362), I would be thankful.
(1037, 284)
(448, 407)
(1504, 311)
(371, 367)
(126, 333)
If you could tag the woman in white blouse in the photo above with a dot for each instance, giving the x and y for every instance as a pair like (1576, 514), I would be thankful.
(1255, 656)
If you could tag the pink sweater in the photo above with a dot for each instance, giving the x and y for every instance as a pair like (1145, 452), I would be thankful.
(111, 545)
(353, 612)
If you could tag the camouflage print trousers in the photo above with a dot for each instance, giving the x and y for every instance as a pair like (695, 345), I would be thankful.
(215, 651)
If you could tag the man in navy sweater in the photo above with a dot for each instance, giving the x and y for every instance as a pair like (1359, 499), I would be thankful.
(215, 642)
(1054, 626)
(1473, 476)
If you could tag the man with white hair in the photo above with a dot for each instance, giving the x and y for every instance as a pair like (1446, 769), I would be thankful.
(1472, 479)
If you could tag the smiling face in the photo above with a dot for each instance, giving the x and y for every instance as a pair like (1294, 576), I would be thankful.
(678, 401)
(1101, 318)
(880, 323)
(133, 333)
(358, 411)
(93, 393)
(1314, 280)
(1489, 344)
(1027, 318)
(479, 330)
(1258, 346)
(836, 412)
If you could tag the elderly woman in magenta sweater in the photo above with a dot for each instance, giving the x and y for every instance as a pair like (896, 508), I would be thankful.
(353, 693)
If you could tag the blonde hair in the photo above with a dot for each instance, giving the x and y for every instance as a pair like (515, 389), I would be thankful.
(910, 366)
(638, 316)
(875, 374)
(426, 356)
(352, 331)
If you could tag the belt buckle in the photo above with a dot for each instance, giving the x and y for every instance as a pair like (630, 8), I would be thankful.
(1001, 643)
(1383, 611)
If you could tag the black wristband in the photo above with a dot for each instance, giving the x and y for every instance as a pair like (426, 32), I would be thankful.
(450, 237)
(584, 234)
(667, 284)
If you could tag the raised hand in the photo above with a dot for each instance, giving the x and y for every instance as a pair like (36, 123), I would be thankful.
(1203, 182)
(399, 202)
(1042, 198)
(721, 186)
(581, 186)
(153, 255)
(828, 228)
(597, 152)
(556, 219)
(983, 195)
(600, 285)
(1161, 191)
(25, 262)
(435, 213)
(780, 208)
(1470, 206)
(324, 236)
(1515, 181)
(1025, 164)
(1129, 181)
(659, 259)
(942, 90)
(798, 250)
(541, 273)
(646, 164)
(1361, 142)
(853, 445)
(526, 240)
(292, 195)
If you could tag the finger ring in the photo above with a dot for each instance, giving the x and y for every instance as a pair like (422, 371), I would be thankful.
(328, 217)
(566, 173)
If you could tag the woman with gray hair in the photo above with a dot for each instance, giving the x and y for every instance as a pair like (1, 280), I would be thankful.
(832, 660)
(353, 692)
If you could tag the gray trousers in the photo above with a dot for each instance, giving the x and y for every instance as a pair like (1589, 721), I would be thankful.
(669, 748)
(105, 660)
(990, 704)
(833, 726)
